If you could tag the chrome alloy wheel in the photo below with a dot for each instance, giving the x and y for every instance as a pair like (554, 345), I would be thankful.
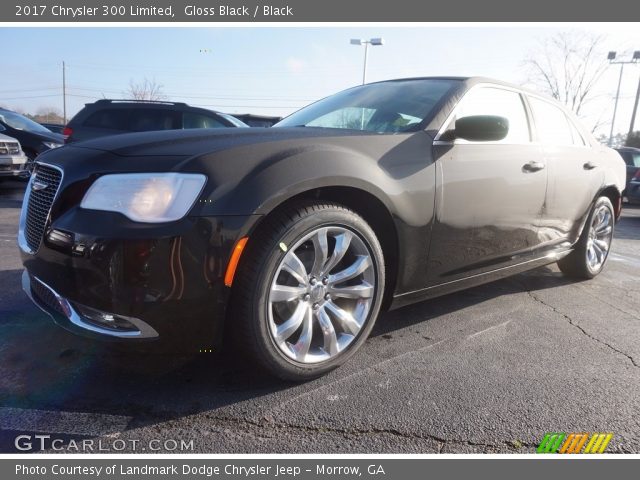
(321, 294)
(600, 235)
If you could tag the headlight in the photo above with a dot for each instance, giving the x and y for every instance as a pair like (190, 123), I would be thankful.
(145, 197)
(51, 145)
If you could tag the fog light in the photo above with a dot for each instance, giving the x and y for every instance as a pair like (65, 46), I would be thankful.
(111, 321)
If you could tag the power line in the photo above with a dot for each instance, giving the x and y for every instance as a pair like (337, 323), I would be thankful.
(29, 97)
(204, 96)
(24, 90)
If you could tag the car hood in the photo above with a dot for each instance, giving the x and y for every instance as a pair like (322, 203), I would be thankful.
(48, 137)
(189, 143)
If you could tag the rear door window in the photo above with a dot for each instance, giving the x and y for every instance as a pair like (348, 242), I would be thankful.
(631, 159)
(552, 124)
(111, 118)
(151, 119)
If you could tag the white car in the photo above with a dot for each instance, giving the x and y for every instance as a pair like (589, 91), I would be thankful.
(12, 158)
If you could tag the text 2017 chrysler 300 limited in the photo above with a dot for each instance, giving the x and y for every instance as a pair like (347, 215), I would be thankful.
(295, 237)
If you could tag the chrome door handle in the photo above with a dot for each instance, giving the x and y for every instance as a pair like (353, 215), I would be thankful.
(590, 165)
(533, 166)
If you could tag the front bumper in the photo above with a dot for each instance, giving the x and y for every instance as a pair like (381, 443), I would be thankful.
(168, 287)
(70, 316)
(13, 167)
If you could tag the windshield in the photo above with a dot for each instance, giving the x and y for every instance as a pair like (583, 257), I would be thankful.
(234, 120)
(387, 107)
(17, 121)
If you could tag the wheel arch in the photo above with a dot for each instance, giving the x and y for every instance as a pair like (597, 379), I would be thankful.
(371, 208)
(613, 194)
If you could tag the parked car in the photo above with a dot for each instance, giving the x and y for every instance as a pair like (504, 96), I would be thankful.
(12, 159)
(296, 237)
(54, 127)
(631, 157)
(633, 189)
(113, 117)
(33, 137)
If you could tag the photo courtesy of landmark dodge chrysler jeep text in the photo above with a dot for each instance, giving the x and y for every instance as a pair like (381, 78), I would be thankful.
(294, 238)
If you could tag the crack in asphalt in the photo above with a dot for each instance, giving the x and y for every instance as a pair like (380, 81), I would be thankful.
(615, 307)
(441, 441)
(587, 334)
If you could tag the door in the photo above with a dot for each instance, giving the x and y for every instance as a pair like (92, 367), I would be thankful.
(489, 195)
(632, 160)
(574, 174)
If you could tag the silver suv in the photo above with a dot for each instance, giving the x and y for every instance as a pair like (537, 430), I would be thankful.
(12, 158)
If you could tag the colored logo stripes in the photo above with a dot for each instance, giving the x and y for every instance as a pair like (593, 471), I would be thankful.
(574, 442)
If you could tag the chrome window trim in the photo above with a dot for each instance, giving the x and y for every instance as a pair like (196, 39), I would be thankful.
(22, 240)
(530, 119)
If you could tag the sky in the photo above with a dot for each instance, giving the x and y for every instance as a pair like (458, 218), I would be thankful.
(276, 70)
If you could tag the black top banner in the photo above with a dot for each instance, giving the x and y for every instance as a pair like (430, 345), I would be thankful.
(171, 11)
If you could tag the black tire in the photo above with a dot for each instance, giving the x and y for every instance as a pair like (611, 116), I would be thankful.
(576, 264)
(249, 302)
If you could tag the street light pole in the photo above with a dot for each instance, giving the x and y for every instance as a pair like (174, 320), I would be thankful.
(373, 41)
(615, 105)
(364, 68)
(636, 56)
(612, 60)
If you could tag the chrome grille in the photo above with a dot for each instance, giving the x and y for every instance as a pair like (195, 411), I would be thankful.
(40, 202)
(13, 148)
(9, 148)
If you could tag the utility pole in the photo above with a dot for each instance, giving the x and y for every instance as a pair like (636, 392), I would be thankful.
(64, 94)
(635, 110)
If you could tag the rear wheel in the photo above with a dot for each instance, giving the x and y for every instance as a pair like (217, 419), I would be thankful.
(308, 290)
(592, 250)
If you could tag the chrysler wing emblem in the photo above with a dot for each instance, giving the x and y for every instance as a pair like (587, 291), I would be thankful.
(37, 186)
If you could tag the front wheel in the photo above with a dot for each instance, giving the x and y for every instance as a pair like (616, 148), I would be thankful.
(308, 290)
(592, 249)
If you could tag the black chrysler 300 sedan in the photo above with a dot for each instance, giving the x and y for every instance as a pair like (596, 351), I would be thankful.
(294, 238)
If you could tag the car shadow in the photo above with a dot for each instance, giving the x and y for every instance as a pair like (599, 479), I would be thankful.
(46, 368)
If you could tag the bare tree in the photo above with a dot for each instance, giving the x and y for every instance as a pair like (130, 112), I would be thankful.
(146, 90)
(48, 115)
(568, 66)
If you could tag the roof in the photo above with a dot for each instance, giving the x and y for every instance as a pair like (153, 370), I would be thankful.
(470, 81)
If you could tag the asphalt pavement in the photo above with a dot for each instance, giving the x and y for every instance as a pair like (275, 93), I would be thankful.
(491, 369)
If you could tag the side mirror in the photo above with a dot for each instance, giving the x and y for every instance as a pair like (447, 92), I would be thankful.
(481, 128)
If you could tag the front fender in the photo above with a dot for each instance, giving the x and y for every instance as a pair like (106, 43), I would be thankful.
(398, 170)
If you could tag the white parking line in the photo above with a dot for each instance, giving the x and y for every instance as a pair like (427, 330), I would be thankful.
(71, 423)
